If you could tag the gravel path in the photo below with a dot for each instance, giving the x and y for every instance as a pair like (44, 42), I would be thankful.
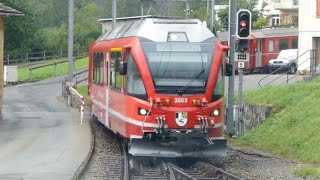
(106, 162)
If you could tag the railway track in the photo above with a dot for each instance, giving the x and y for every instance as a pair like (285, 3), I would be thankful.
(170, 169)
(110, 160)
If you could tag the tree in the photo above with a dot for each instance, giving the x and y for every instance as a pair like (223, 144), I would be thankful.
(260, 23)
(241, 4)
(85, 17)
(19, 31)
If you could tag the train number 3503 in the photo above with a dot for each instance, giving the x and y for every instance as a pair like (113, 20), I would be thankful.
(180, 100)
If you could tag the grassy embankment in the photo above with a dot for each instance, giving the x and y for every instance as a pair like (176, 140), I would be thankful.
(293, 129)
(47, 72)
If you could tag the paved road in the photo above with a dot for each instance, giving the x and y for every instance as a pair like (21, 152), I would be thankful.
(250, 82)
(40, 138)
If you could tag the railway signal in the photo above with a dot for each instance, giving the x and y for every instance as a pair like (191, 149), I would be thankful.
(242, 45)
(243, 29)
(243, 33)
(243, 24)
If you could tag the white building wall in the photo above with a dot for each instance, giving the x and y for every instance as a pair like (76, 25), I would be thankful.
(309, 27)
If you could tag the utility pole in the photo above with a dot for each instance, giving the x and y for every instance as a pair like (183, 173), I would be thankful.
(70, 43)
(141, 8)
(231, 41)
(1, 60)
(240, 124)
(114, 13)
(187, 9)
(213, 14)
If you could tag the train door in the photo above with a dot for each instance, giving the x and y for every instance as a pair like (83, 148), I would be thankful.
(258, 54)
(107, 74)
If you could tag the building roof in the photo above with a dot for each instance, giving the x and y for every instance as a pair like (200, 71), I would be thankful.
(8, 11)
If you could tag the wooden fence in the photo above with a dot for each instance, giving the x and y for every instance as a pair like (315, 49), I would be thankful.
(54, 64)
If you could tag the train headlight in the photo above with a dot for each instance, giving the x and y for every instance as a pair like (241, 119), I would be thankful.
(142, 111)
(214, 113)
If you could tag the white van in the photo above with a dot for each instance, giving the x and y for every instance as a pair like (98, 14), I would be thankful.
(286, 60)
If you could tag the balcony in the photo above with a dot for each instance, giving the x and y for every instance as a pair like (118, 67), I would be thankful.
(286, 4)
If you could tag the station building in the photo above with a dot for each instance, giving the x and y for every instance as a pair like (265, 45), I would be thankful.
(5, 11)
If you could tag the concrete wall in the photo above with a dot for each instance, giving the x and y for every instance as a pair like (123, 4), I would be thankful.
(309, 25)
(254, 115)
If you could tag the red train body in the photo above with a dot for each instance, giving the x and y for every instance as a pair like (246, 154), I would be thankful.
(159, 84)
(264, 45)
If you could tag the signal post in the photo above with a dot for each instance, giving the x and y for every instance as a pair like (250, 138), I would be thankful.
(242, 56)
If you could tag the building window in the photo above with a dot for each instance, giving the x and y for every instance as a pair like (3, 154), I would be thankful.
(275, 20)
(318, 8)
(271, 46)
(295, 2)
(98, 68)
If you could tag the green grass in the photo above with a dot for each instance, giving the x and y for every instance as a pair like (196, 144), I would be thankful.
(83, 90)
(293, 129)
(46, 72)
(308, 172)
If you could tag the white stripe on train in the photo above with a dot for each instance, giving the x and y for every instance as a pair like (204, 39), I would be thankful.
(139, 123)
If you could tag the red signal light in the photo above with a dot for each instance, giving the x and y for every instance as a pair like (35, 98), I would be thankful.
(243, 24)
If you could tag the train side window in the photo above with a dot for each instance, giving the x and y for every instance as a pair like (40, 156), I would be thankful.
(283, 44)
(294, 44)
(219, 89)
(97, 68)
(115, 77)
(134, 83)
(271, 46)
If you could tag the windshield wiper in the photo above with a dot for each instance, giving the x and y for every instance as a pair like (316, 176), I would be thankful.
(196, 76)
(161, 90)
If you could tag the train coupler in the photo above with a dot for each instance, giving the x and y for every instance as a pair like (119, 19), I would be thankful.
(204, 125)
(161, 121)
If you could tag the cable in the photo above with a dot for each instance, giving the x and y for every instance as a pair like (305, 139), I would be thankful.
(145, 119)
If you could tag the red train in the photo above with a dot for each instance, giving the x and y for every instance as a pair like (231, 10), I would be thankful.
(158, 83)
(266, 44)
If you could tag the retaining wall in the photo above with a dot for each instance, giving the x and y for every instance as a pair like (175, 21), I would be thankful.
(254, 115)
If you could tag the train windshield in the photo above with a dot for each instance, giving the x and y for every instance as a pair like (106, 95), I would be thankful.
(179, 67)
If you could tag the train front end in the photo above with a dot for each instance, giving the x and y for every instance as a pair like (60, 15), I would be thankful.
(184, 87)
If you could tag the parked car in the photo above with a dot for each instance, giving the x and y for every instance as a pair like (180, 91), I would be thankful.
(285, 62)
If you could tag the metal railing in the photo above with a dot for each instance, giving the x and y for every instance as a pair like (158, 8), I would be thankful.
(25, 58)
(78, 77)
(312, 67)
(54, 64)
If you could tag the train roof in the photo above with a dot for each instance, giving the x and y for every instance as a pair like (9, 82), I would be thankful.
(265, 33)
(157, 29)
